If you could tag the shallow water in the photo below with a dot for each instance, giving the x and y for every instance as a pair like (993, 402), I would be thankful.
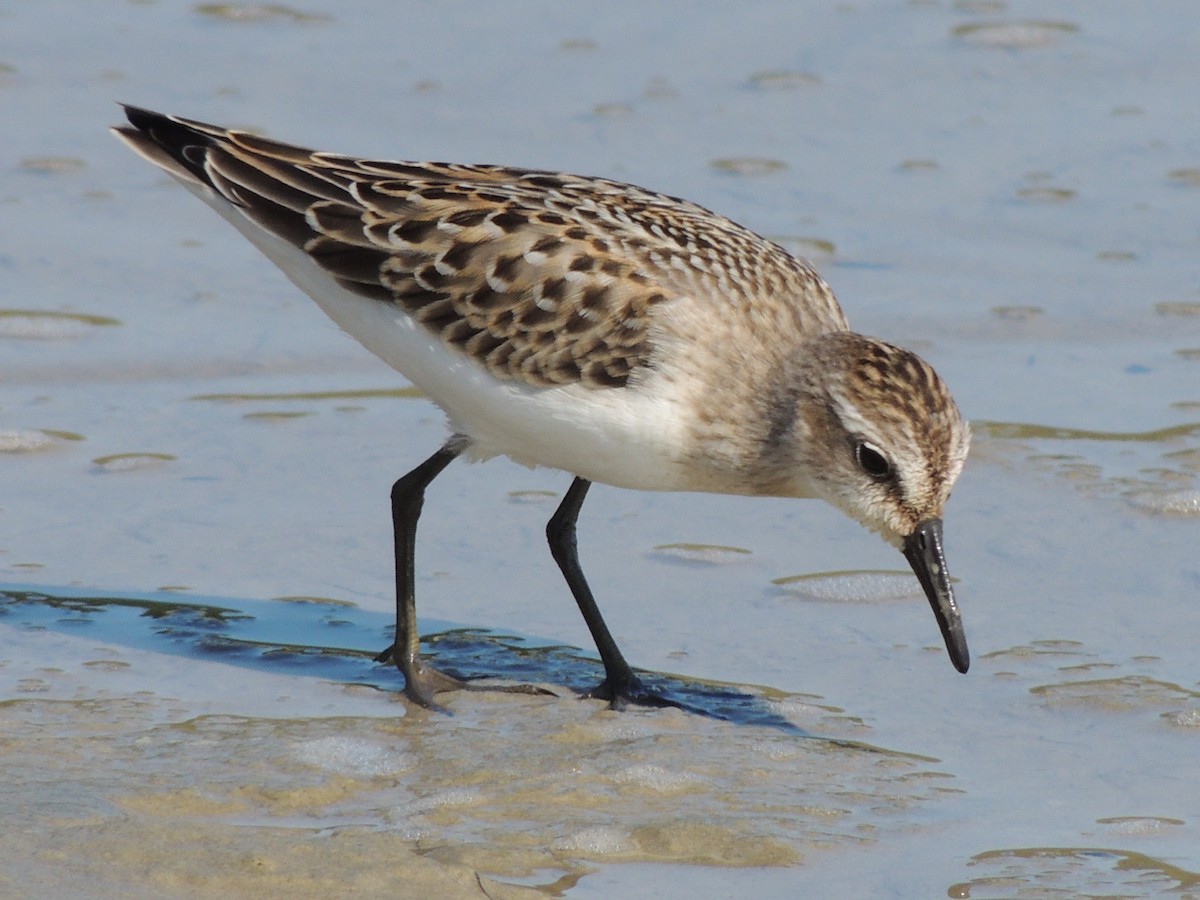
(180, 430)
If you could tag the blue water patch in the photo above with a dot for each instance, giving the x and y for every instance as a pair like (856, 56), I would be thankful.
(339, 642)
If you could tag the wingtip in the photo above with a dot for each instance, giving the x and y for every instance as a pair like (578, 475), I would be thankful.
(142, 118)
(162, 140)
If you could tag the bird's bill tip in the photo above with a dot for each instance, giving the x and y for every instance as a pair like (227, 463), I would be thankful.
(923, 550)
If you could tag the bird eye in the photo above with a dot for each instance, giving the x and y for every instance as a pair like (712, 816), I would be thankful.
(871, 460)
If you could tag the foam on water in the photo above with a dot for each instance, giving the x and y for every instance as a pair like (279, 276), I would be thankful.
(596, 841)
(1017, 35)
(25, 441)
(353, 756)
(852, 586)
(1168, 503)
(1139, 825)
(656, 778)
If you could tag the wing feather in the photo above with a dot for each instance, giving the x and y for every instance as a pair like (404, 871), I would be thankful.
(542, 278)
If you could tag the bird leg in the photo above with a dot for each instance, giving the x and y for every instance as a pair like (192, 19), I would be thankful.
(620, 685)
(422, 681)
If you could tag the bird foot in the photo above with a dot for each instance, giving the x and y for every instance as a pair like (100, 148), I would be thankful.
(422, 682)
(628, 690)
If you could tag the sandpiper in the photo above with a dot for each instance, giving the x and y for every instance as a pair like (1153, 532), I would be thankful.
(620, 335)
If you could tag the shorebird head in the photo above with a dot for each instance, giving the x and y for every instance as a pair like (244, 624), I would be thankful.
(885, 443)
